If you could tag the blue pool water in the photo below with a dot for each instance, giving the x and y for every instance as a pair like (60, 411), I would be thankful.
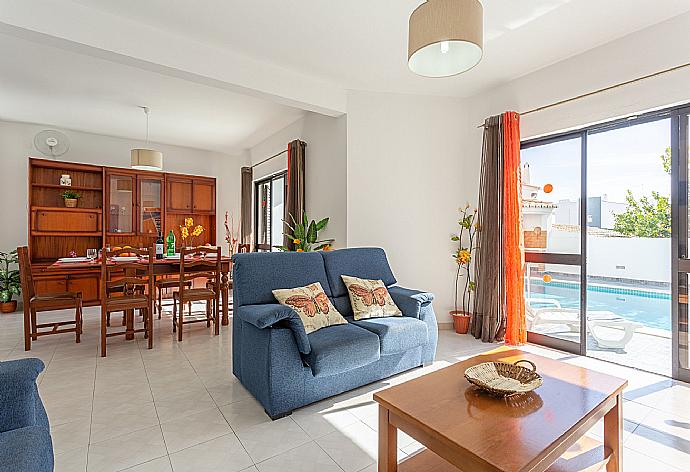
(653, 309)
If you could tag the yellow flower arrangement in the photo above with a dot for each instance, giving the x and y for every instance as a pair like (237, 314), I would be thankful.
(186, 230)
(464, 256)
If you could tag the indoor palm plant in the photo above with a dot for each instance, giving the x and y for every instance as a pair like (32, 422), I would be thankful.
(305, 235)
(10, 284)
(466, 239)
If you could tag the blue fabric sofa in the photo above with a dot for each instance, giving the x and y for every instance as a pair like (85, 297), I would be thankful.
(25, 443)
(285, 368)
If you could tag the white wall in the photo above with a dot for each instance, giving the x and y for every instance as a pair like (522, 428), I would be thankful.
(16, 145)
(325, 174)
(406, 168)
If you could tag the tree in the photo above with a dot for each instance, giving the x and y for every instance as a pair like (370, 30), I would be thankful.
(647, 217)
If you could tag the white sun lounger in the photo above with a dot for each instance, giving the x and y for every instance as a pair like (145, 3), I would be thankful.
(554, 314)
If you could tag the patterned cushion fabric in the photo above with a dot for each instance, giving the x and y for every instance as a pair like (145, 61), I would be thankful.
(369, 298)
(312, 305)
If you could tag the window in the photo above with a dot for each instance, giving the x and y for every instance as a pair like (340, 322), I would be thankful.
(269, 200)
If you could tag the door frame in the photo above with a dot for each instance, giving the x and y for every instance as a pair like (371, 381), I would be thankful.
(680, 257)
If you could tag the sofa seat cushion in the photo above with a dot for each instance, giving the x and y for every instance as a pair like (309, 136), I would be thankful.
(27, 449)
(397, 334)
(340, 348)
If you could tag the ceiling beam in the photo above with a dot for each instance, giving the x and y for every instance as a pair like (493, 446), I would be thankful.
(84, 30)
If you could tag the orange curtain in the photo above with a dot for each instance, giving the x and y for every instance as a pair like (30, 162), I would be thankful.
(516, 327)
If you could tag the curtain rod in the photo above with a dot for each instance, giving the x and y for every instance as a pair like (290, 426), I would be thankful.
(268, 159)
(601, 90)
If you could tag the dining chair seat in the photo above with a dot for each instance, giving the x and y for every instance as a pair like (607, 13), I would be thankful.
(195, 294)
(127, 302)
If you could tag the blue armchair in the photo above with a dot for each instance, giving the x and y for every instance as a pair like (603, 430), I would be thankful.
(286, 368)
(25, 443)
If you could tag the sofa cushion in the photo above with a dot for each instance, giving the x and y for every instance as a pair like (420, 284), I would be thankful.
(369, 298)
(28, 449)
(397, 334)
(362, 262)
(257, 274)
(341, 348)
(312, 305)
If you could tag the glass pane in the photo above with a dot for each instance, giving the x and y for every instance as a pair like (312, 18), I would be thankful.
(683, 333)
(150, 205)
(121, 204)
(263, 213)
(629, 246)
(552, 300)
(551, 190)
(277, 197)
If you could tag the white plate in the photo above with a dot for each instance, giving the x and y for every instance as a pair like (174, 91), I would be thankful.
(174, 256)
(125, 258)
(74, 259)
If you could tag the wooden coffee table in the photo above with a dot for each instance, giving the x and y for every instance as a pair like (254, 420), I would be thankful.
(467, 430)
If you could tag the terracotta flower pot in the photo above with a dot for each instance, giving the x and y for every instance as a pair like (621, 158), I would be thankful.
(8, 307)
(461, 321)
(71, 202)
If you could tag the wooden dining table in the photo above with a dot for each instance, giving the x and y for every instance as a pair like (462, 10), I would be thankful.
(163, 267)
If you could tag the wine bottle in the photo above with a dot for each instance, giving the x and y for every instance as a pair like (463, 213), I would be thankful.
(160, 245)
(171, 243)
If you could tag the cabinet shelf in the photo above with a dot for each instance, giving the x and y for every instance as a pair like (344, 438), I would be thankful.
(67, 210)
(72, 187)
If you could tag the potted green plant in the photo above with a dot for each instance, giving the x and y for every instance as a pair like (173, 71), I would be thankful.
(71, 198)
(10, 283)
(305, 235)
(466, 239)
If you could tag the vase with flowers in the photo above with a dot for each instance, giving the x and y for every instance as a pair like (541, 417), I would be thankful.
(466, 239)
(189, 232)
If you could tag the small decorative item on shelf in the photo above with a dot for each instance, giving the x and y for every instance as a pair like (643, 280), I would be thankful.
(463, 258)
(10, 284)
(305, 235)
(186, 231)
(65, 180)
(231, 233)
(503, 379)
(72, 253)
(71, 198)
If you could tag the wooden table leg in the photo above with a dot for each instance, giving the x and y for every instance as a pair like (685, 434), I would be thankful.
(388, 443)
(613, 435)
(225, 293)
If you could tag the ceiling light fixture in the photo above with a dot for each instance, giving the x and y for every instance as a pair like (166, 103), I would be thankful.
(147, 159)
(446, 37)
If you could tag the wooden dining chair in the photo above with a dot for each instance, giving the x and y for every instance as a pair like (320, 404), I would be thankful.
(244, 248)
(167, 284)
(36, 303)
(136, 277)
(195, 263)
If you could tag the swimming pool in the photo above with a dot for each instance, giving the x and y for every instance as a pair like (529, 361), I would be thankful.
(653, 309)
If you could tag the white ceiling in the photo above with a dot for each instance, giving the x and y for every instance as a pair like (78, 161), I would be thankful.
(87, 64)
(47, 85)
(362, 44)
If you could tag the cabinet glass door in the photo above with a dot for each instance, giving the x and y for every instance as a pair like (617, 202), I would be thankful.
(121, 204)
(150, 202)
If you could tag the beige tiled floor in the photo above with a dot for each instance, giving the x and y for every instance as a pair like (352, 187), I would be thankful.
(178, 407)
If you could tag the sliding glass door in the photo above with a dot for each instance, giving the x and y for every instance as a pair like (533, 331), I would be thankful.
(552, 211)
(605, 219)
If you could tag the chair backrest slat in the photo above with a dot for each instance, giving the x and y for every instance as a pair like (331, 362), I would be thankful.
(199, 262)
(25, 277)
(136, 273)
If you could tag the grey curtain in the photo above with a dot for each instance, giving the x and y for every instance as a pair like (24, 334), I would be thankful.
(294, 204)
(489, 320)
(246, 206)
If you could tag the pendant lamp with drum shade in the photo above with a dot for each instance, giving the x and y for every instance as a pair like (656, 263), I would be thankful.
(147, 159)
(446, 37)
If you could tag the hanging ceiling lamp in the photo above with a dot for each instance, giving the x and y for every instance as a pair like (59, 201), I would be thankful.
(445, 37)
(147, 159)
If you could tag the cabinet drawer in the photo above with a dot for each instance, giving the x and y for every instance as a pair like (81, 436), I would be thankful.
(86, 284)
(54, 284)
(72, 221)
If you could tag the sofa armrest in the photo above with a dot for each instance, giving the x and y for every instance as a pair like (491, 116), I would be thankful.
(410, 301)
(265, 316)
(18, 393)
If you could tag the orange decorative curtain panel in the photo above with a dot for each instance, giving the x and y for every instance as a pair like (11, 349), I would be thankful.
(514, 256)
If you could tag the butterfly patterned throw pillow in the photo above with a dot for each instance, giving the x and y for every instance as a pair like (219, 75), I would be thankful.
(312, 305)
(370, 298)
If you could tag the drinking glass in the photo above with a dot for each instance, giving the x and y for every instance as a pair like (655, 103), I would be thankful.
(92, 253)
